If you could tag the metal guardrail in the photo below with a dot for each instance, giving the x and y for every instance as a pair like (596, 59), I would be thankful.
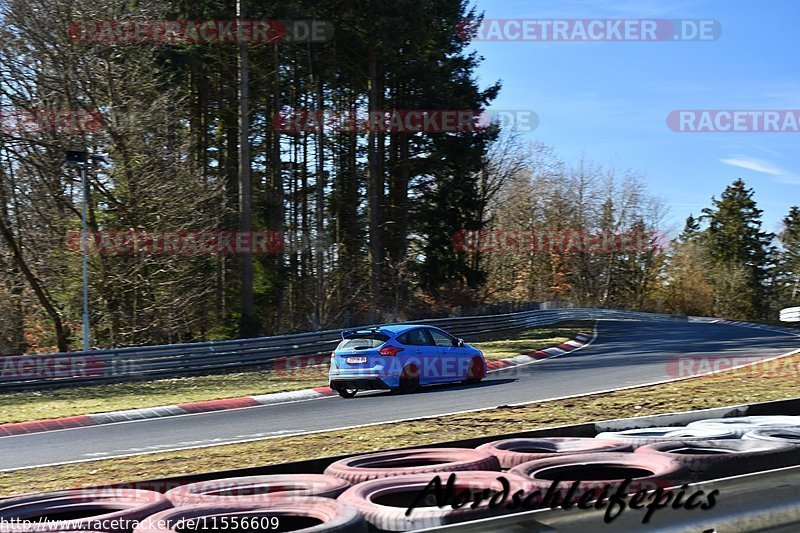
(146, 362)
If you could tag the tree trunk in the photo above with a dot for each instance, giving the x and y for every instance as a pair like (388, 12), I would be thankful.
(62, 332)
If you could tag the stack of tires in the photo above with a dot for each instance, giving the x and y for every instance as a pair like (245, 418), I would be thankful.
(403, 490)
(298, 502)
(721, 447)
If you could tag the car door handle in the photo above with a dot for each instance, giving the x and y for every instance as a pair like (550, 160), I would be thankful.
(418, 351)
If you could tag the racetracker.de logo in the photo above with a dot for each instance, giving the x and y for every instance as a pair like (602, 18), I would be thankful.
(734, 120)
(403, 120)
(588, 30)
(51, 366)
(176, 242)
(200, 31)
(50, 121)
(754, 366)
(517, 241)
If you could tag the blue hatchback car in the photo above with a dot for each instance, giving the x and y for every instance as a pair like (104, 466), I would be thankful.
(402, 358)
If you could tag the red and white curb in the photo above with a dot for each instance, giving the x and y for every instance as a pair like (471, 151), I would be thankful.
(580, 340)
(39, 426)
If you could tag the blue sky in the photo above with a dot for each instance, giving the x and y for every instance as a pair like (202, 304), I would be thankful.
(608, 101)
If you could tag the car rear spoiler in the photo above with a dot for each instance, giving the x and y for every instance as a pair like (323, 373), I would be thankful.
(353, 333)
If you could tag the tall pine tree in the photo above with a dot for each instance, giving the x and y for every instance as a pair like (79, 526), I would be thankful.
(789, 263)
(739, 251)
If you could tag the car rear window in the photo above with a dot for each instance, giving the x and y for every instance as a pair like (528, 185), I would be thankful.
(363, 341)
(415, 337)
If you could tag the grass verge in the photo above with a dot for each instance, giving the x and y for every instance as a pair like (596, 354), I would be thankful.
(57, 403)
(759, 383)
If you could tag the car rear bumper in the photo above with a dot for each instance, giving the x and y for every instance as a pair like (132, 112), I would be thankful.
(360, 383)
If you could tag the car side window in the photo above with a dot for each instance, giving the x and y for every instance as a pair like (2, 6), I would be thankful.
(440, 339)
(415, 337)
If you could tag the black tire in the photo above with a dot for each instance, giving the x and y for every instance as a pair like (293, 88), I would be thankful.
(476, 370)
(306, 515)
(513, 452)
(593, 471)
(790, 435)
(418, 461)
(722, 458)
(257, 490)
(384, 501)
(745, 424)
(409, 380)
(347, 393)
(643, 436)
(101, 506)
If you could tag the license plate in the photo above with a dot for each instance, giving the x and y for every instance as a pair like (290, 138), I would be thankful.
(356, 359)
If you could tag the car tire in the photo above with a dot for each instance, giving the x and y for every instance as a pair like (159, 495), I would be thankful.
(347, 393)
(476, 370)
(790, 435)
(418, 461)
(593, 471)
(722, 458)
(384, 501)
(333, 517)
(409, 380)
(745, 424)
(643, 436)
(94, 506)
(513, 452)
(257, 490)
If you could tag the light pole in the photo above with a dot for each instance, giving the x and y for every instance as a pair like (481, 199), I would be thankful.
(81, 160)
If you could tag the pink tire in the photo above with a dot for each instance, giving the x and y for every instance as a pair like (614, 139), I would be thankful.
(306, 515)
(593, 471)
(257, 490)
(404, 462)
(97, 509)
(513, 452)
(384, 501)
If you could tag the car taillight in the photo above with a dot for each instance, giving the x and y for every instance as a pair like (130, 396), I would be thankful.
(390, 351)
(333, 359)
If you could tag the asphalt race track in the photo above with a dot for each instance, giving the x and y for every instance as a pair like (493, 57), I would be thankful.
(624, 354)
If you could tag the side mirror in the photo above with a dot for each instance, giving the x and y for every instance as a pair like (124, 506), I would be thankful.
(460, 342)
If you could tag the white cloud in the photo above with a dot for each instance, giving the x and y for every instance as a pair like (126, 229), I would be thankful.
(762, 167)
(755, 165)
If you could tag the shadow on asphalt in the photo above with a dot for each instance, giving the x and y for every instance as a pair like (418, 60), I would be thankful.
(444, 387)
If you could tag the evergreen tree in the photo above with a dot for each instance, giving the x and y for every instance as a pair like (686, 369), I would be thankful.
(691, 230)
(739, 251)
(789, 262)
